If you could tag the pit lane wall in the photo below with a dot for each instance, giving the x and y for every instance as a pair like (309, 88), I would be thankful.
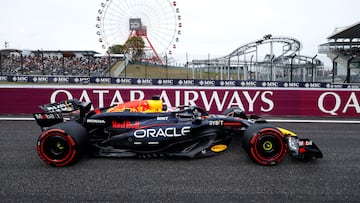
(256, 97)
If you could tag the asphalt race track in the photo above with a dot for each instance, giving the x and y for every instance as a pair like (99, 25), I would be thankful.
(229, 177)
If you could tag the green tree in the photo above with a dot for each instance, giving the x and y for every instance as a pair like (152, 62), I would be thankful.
(136, 46)
(118, 49)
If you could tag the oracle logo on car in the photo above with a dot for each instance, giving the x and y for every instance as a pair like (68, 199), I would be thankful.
(166, 132)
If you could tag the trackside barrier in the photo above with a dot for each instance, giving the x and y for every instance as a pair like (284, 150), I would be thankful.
(43, 79)
(273, 101)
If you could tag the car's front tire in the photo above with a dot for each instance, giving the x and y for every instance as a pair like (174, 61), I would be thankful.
(265, 144)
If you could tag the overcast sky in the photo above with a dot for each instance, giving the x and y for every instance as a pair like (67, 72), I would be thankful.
(209, 26)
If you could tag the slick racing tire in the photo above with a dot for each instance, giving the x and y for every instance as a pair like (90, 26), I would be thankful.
(61, 144)
(265, 144)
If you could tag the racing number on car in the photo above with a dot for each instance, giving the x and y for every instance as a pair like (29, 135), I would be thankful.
(216, 123)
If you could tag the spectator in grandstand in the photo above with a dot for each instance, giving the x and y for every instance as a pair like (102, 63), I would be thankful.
(37, 63)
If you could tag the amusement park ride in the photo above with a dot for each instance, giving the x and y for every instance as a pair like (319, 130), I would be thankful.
(269, 58)
(138, 30)
(157, 22)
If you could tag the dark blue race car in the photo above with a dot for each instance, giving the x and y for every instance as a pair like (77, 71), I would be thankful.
(145, 129)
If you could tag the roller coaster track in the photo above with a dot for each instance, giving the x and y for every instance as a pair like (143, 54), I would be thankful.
(290, 51)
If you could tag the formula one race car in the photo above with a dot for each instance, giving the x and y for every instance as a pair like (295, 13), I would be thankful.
(145, 129)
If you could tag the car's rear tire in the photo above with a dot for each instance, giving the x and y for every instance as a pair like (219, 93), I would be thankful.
(265, 144)
(61, 144)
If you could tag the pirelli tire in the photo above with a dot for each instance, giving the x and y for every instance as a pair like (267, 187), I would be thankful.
(61, 144)
(265, 144)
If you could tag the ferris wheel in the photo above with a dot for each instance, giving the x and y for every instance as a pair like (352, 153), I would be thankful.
(157, 22)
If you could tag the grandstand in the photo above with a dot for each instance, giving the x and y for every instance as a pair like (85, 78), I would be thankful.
(58, 62)
(343, 49)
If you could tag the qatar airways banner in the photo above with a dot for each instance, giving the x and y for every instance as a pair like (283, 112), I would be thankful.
(260, 101)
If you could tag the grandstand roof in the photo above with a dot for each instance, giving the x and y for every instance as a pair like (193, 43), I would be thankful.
(8, 51)
(349, 32)
(65, 53)
(70, 53)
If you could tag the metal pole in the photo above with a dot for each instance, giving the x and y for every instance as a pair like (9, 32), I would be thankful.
(245, 68)
(193, 71)
(333, 70)
(291, 67)
(166, 60)
(221, 70)
(257, 69)
(38, 61)
(348, 72)
(251, 75)
(312, 68)
(89, 65)
(187, 66)
(63, 63)
(208, 67)
(109, 60)
(146, 64)
(228, 69)
(22, 63)
(125, 64)
(272, 69)
(42, 62)
(238, 67)
(271, 60)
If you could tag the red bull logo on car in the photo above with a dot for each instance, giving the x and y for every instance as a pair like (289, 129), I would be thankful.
(139, 106)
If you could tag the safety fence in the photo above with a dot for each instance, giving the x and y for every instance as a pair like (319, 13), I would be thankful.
(168, 82)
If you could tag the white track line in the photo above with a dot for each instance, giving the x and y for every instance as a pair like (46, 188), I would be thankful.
(269, 120)
(16, 119)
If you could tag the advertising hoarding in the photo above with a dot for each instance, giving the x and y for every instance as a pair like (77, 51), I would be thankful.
(25, 99)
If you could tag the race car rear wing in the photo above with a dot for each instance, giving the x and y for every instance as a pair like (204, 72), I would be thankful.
(66, 106)
(61, 111)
